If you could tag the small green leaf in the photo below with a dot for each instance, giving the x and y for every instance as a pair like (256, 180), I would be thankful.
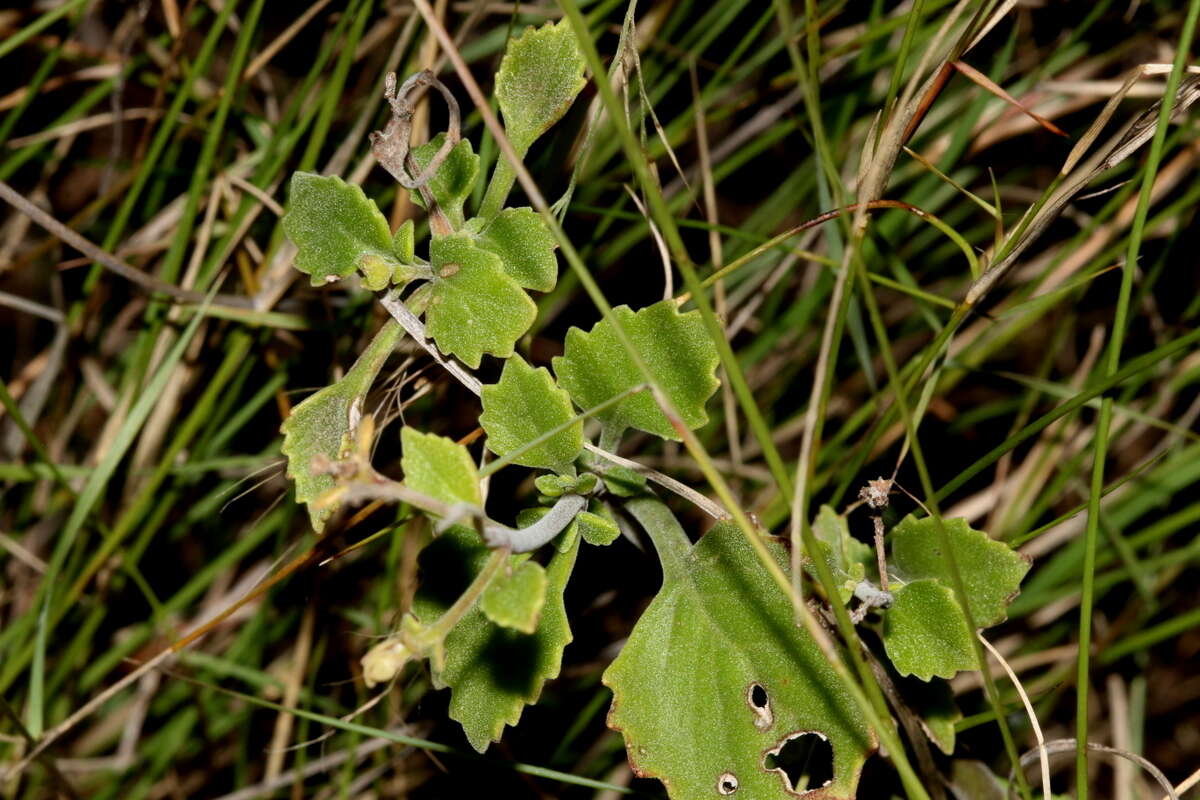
(475, 307)
(937, 711)
(849, 559)
(991, 570)
(335, 227)
(716, 675)
(622, 481)
(404, 242)
(925, 632)
(520, 238)
(677, 350)
(524, 405)
(539, 77)
(325, 423)
(439, 467)
(553, 485)
(597, 529)
(454, 180)
(492, 672)
(514, 600)
(376, 271)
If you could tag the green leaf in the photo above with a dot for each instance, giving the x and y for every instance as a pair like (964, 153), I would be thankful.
(439, 467)
(622, 481)
(991, 570)
(539, 77)
(597, 529)
(514, 600)
(520, 238)
(925, 632)
(938, 713)
(524, 405)
(336, 228)
(454, 180)
(492, 672)
(849, 560)
(325, 423)
(475, 307)
(404, 242)
(595, 367)
(716, 675)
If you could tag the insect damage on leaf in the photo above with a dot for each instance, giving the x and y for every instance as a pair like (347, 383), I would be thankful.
(719, 691)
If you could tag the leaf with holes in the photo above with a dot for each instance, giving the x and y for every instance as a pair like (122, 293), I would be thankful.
(520, 238)
(522, 406)
(336, 229)
(991, 570)
(514, 599)
(439, 467)
(718, 691)
(676, 349)
(492, 672)
(474, 307)
(451, 185)
(324, 424)
(925, 633)
(539, 77)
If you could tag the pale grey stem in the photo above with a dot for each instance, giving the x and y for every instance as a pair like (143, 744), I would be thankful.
(666, 481)
(408, 320)
(524, 540)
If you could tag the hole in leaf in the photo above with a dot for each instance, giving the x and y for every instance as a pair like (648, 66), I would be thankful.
(727, 783)
(760, 704)
(804, 760)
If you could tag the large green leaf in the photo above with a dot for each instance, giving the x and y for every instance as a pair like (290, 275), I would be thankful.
(991, 570)
(336, 229)
(492, 672)
(925, 632)
(475, 307)
(524, 405)
(539, 76)
(595, 367)
(716, 675)
(451, 185)
(325, 423)
(439, 467)
(520, 238)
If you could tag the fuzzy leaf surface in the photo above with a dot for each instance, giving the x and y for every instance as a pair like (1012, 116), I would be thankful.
(475, 307)
(492, 672)
(925, 633)
(849, 559)
(451, 185)
(336, 229)
(991, 570)
(321, 425)
(439, 467)
(520, 238)
(595, 367)
(539, 77)
(523, 405)
(514, 599)
(686, 683)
